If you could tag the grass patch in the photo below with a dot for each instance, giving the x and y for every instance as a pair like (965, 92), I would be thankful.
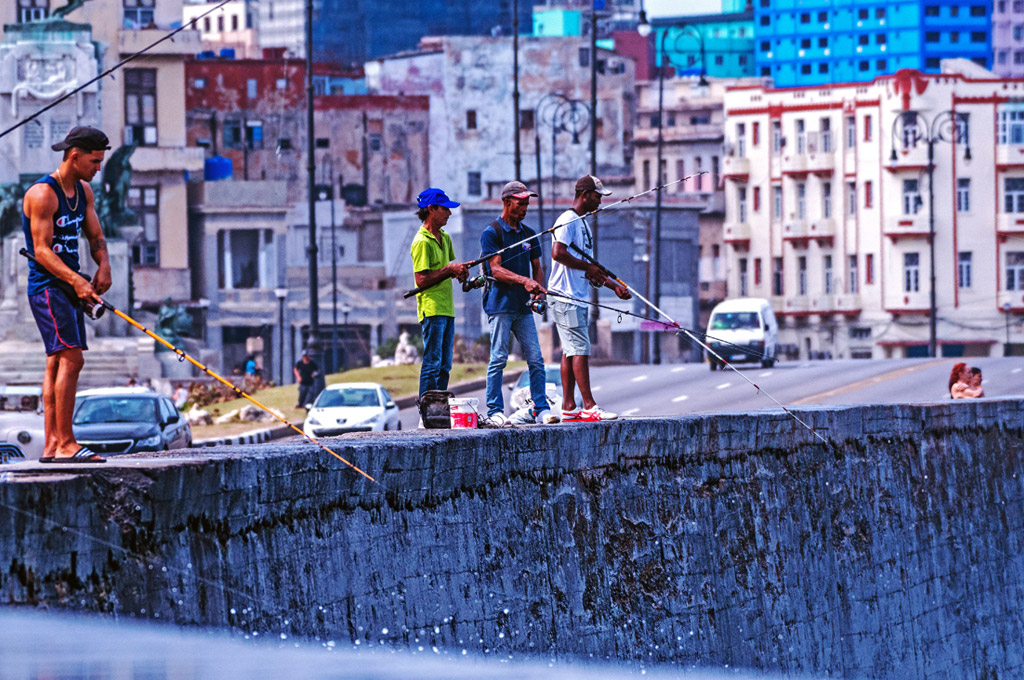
(400, 381)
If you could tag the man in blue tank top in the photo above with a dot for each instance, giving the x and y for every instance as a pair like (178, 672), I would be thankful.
(56, 210)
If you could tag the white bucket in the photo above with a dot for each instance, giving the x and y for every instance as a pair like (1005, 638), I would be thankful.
(463, 412)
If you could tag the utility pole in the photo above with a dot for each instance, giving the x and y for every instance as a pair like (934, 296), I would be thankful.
(313, 343)
(515, 85)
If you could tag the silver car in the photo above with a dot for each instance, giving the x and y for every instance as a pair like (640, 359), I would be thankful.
(21, 422)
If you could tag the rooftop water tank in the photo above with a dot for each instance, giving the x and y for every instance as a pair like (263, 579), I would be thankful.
(217, 168)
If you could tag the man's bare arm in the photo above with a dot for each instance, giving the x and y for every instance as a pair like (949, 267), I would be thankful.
(507, 276)
(97, 243)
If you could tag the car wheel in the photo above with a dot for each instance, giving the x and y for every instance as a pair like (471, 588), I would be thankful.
(713, 365)
(768, 363)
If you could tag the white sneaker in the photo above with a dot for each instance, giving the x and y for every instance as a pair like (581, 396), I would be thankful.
(547, 416)
(523, 416)
(420, 426)
(593, 415)
(496, 419)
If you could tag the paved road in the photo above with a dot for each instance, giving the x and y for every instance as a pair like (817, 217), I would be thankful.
(676, 389)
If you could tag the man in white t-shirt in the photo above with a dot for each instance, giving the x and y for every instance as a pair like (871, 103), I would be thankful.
(569, 279)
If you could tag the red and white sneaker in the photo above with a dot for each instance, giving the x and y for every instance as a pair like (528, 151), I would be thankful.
(571, 416)
(596, 414)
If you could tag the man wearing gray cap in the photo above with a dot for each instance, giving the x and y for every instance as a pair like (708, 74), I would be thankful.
(519, 278)
(57, 209)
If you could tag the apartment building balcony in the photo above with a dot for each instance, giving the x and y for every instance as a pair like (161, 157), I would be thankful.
(794, 165)
(133, 40)
(736, 234)
(913, 159)
(163, 158)
(797, 305)
(1009, 225)
(736, 168)
(800, 232)
(909, 304)
(847, 304)
(820, 163)
(907, 226)
(1009, 156)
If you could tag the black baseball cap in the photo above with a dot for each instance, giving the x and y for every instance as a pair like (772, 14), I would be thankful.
(84, 137)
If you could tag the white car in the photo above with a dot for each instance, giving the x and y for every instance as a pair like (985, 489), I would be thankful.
(520, 397)
(21, 421)
(351, 407)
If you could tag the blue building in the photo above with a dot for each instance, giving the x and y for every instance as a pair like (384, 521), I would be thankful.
(815, 42)
(725, 41)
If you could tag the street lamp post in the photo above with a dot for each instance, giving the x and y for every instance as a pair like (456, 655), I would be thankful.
(281, 294)
(1007, 307)
(327, 192)
(909, 128)
(677, 32)
(345, 309)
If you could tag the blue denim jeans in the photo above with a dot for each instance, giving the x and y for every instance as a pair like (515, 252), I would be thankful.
(438, 343)
(503, 326)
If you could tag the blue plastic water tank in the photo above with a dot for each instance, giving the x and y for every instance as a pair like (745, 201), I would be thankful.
(227, 53)
(217, 168)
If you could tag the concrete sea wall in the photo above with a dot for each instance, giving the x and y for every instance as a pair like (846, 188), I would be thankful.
(894, 550)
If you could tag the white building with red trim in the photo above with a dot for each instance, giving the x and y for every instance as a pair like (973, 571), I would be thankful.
(829, 213)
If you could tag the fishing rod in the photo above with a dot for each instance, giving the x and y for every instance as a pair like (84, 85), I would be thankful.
(668, 326)
(692, 337)
(69, 290)
(485, 258)
(129, 58)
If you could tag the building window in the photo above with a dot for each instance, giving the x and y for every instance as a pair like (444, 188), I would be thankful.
(138, 13)
(741, 200)
(647, 173)
(932, 62)
(681, 172)
(826, 200)
(869, 269)
(1011, 126)
(757, 271)
(911, 272)
(822, 68)
(963, 194)
(954, 11)
(931, 36)
(765, 20)
(979, 36)
(757, 199)
(977, 10)
(862, 40)
(868, 194)
(1015, 270)
(584, 57)
(851, 198)
(776, 137)
(144, 201)
(527, 119)
(245, 258)
(32, 10)
(826, 135)
(253, 134)
(931, 11)
(853, 274)
(801, 137)
(777, 201)
(805, 69)
(880, 38)
(805, 18)
(826, 265)
(801, 201)
(777, 276)
(715, 179)
(963, 270)
(199, 83)
(822, 17)
(744, 289)
(1014, 194)
(954, 36)
(281, 83)
(251, 88)
(698, 163)
(755, 133)
(851, 132)
(473, 183)
(140, 106)
(867, 128)
(823, 42)
(471, 119)
(234, 22)
(805, 44)
(801, 275)
(911, 197)
(741, 140)
(232, 133)
(880, 65)
(880, 13)
(862, 14)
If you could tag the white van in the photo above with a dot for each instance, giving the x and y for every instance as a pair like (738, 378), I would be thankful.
(743, 330)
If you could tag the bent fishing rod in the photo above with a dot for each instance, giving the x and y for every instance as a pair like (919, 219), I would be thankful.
(685, 331)
(96, 311)
(628, 199)
(667, 326)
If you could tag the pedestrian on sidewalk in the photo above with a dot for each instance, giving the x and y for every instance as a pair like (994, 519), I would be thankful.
(434, 266)
(306, 372)
(570, 276)
(57, 210)
(519, 279)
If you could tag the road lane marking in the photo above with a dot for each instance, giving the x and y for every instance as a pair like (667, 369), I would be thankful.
(683, 368)
(867, 382)
(639, 378)
(765, 374)
(630, 411)
(595, 389)
(723, 386)
(1017, 370)
(681, 397)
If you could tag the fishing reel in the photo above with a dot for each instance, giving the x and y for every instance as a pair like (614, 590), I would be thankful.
(93, 310)
(538, 305)
(474, 283)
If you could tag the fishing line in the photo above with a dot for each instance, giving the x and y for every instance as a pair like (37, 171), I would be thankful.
(183, 356)
(113, 68)
(692, 337)
(628, 199)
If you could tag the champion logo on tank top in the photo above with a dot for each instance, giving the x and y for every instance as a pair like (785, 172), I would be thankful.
(69, 221)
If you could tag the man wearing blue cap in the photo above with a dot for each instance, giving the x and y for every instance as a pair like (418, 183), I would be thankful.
(433, 266)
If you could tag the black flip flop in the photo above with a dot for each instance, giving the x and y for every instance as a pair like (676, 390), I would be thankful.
(46, 459)
(83, 455)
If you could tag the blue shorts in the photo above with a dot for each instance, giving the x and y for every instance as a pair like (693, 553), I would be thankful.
(60, 322)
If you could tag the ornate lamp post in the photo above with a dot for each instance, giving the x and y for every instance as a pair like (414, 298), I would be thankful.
(281, 294)
(910, 128)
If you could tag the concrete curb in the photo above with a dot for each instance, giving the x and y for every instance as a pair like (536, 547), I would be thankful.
(270, 433)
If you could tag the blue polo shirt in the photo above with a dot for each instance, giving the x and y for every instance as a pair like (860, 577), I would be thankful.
(503, 298)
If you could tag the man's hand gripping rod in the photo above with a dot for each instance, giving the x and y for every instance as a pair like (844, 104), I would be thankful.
(628, 199)
(182, 356)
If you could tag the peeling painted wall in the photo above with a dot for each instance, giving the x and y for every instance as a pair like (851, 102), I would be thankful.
(895, 551)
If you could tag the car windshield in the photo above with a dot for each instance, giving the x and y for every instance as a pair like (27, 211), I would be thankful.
(733, 320)
(93, 410)
(350, 396)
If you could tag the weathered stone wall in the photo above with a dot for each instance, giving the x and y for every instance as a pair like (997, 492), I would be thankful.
(894, 551)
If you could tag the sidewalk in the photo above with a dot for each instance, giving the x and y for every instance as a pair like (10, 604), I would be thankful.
(264, 433)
